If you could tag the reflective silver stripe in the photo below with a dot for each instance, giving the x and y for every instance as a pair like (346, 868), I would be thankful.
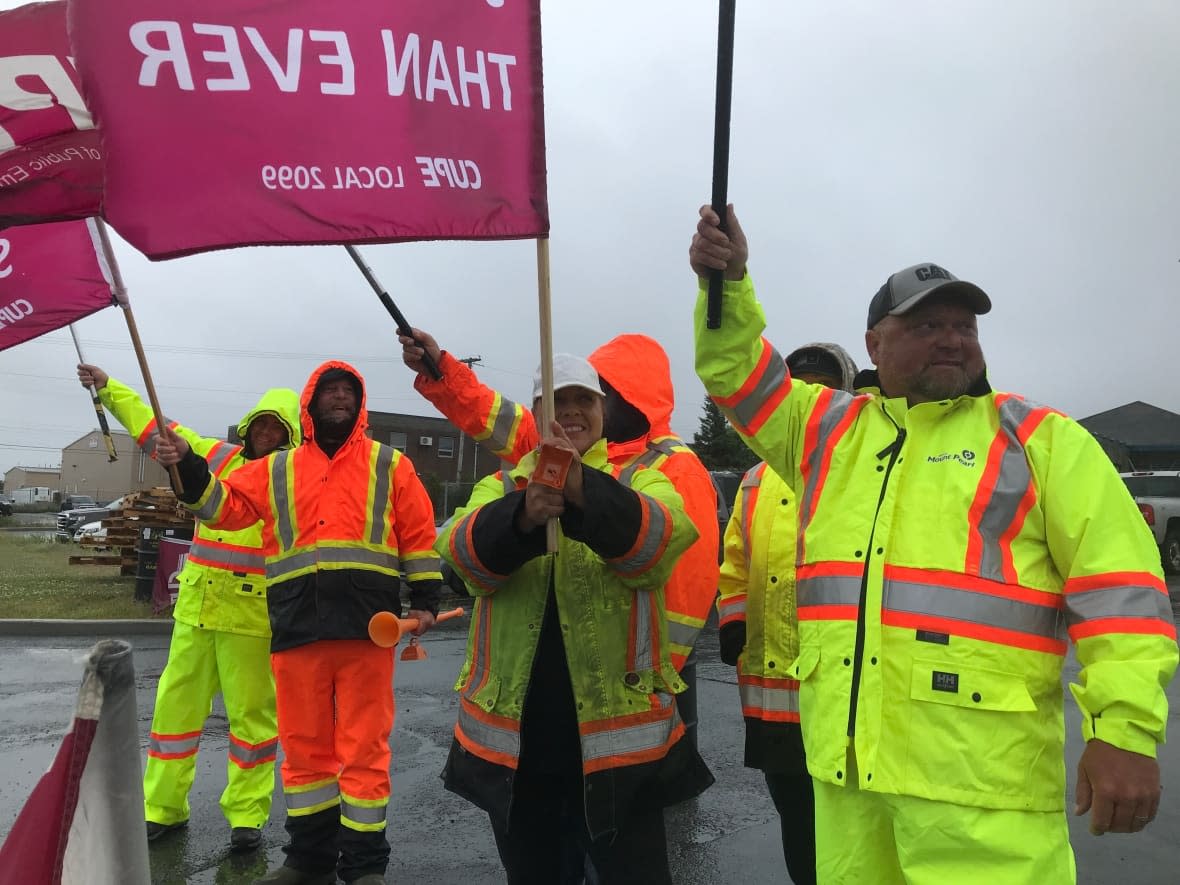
(654, 452)
(288, 563)
(284, 526)
(466, 557)
(779, 699)
(828, 590)
(774, 376)
(381, 481)
(223, 557)
(973, 607)
(509, 483)
(630, 739)
(1117, 601)
(253, 755)
(424, 565)
(223, 453)
(837, 407)
(498, 740)
(173, 746)
(1012, 482)
(482, 633)
(729, 608)
(311, 798)
(681, 634)
(652, 543)
(501, 433)
(362, 814)
(644, 653)
(751, 480)
(209, 509)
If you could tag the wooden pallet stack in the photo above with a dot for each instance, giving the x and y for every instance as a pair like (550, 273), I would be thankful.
(155, 508)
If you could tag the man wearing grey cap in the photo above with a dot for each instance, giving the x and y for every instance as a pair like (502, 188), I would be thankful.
(952, 541)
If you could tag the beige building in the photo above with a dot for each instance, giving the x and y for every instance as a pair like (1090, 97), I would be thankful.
(39, 478)
(87, 470)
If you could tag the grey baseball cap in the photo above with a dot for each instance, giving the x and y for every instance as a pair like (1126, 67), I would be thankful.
(908, 288)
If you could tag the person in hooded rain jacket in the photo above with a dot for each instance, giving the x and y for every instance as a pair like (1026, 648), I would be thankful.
(637, 379)
(566, 694)
(759, 630)
(221, 635)
(344, 519)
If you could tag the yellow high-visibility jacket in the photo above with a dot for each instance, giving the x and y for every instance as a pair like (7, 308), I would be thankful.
(610, 605)
(947, 553)
(223, 582)
(758, 593)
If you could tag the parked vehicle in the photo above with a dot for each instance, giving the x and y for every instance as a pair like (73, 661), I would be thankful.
(1157, 493)
(69, 521)
(94, 533)
(726, 483)
(5, 505)
(76, 502)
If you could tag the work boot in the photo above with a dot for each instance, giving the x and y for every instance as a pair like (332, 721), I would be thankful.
(156, 830)
(245, 838)
(286, 875)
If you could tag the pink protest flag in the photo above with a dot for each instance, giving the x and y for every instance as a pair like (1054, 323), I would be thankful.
(51, 275)
(50, 158)
(83, 822)
(315, 121)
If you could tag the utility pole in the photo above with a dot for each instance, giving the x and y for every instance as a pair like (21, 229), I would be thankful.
(469, 361)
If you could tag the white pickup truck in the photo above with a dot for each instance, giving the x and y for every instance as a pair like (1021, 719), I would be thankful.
(1157, 492)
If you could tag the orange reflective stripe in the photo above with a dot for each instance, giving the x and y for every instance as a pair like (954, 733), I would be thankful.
(731, 608)
(229, 557)
(488, 736)
(769, 699)
(644, 642)
(655, 531)
(767, 386)
(173, 746)
(963, 605)
(828, 591)
(630, 740)
(832, 415)
(751, 488)
(1118, 602)
(246, 755)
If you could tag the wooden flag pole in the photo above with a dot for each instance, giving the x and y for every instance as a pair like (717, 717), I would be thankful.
(546, 318)
(102, 416)
(721, 147)
(121, 297)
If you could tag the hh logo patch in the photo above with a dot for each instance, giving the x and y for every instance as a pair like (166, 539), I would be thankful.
(945, 682)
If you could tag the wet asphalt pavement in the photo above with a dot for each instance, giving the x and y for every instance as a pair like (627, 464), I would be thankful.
(729, 834)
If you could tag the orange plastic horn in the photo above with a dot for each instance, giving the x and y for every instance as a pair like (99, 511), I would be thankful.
(386, 629)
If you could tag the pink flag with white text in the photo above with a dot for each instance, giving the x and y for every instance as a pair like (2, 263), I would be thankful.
(50, 157)
(50, 275)
(231, 123)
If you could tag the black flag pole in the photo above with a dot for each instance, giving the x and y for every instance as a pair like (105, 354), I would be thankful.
(398, 317)
(721, 146)
(98, 410)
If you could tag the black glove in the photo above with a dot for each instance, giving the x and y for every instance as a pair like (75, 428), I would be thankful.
(733, 641)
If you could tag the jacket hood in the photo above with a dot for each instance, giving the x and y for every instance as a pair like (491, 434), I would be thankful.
(283, 403)
(362, 413)
(638, 368)
(847, 364)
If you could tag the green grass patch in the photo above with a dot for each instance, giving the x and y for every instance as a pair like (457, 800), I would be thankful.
(37, 581)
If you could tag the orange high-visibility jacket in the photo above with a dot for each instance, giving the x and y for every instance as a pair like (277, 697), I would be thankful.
(947, 552)
(338, 533)
(637, 367)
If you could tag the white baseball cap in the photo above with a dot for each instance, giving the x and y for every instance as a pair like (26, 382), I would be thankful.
(570, 371)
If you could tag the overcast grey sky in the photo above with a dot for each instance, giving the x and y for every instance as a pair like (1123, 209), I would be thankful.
(1030, 147)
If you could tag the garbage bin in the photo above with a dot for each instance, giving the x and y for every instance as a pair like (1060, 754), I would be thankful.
(147, 550)
(169, 561)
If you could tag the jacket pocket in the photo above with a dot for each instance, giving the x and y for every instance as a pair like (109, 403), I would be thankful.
(484, 693)
(975, 732)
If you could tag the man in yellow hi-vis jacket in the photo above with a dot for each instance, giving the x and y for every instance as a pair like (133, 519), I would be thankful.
(952, 540)
(221, 638)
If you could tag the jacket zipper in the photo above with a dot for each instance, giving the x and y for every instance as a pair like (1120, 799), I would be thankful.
(892, 450)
